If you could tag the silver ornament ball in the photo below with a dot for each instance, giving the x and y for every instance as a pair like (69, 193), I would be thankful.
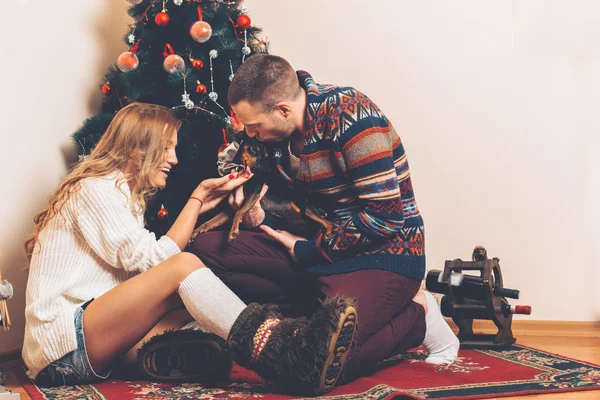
(213, 96)
(177, 2)
(213, 53)
(246, 50)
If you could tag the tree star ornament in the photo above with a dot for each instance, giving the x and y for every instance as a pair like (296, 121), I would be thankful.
(185, 99)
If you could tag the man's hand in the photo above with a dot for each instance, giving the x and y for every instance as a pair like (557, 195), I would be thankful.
(256, 215)
(287, 239)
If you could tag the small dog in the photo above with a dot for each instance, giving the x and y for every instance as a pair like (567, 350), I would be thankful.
(278, 201)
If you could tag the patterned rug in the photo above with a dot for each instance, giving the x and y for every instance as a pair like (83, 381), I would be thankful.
(477, 374)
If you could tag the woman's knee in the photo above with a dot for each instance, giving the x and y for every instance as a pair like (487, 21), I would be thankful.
(186, 263)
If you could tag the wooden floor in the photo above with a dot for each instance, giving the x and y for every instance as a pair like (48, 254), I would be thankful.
(578, 340)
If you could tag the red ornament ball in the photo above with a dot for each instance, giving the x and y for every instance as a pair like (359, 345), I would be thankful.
(162, 213)
(106, 88)
(243, 21)
(198, 64)
(162, 19)
(200, 88)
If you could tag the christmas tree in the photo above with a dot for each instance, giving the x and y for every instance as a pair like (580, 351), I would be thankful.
(182, 54)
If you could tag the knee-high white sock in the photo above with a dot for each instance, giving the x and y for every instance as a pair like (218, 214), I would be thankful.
(210, 302)
(441, 343)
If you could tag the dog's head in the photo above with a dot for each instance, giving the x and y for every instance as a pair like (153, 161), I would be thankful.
(253, 154)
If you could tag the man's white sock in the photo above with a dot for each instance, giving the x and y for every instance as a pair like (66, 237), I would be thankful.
(210, 301)
(441, 343)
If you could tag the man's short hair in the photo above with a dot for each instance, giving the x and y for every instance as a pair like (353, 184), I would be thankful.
(264, 80)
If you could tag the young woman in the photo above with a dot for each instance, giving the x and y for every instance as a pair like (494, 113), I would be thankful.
(100, 282)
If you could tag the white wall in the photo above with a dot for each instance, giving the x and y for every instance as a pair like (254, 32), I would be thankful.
(495, 101)
(53, 56)
(497, 104)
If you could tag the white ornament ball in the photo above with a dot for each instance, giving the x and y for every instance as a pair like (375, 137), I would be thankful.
(213, 53)
(173, 63)
(246, 50)
(177, 2)
(213, 96)
(243, 9)
(201, 31)
(135, 2)
(127, 61)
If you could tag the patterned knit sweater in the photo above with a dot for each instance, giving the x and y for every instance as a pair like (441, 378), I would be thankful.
(354, 166)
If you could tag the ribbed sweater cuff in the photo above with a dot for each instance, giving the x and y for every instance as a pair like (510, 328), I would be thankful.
(308, 253)
(168, 246)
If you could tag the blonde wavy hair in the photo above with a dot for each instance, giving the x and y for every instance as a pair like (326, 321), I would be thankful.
(138, 135)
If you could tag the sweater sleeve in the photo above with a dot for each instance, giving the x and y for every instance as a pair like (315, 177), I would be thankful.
(369, 156)
(104, 218)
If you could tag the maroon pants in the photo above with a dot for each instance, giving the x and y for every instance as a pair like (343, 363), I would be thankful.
(258, 269)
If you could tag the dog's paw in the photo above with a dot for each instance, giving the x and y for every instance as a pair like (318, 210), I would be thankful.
(233, 235)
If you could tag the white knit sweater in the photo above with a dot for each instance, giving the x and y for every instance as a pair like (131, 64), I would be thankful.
(98, 244)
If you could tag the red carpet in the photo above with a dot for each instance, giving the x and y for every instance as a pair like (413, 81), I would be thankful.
(478, 374)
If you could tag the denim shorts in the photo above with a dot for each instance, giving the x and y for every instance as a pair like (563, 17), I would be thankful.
(73, 368)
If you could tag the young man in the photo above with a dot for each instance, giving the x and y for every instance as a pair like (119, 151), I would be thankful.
(337, 148)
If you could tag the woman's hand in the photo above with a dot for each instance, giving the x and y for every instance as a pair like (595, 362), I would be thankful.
(256, 215)
(288, 240)
(212, 191)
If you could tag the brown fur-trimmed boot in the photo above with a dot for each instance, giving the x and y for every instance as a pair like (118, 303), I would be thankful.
(185, 356)
(304, 356)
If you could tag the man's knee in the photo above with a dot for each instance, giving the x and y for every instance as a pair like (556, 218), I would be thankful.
(208, 244)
